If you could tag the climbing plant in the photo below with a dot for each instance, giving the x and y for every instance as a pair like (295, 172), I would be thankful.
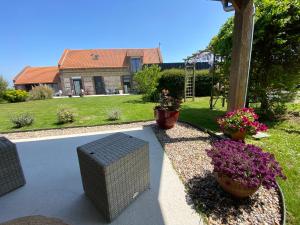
(275, 64)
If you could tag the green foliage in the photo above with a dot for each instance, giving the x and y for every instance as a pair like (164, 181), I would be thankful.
(22, 120)
(275, 65)
(65, 115)
(173, 80)
(114, 114)
(3, 86)
(41, 92)
(15, 95)
(147, 81)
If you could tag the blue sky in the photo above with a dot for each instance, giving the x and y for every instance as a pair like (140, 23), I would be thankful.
(35, 32)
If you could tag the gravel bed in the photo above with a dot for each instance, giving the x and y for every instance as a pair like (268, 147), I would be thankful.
(185, 146)
(70, 131)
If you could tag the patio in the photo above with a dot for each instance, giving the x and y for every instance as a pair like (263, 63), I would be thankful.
(54, 186)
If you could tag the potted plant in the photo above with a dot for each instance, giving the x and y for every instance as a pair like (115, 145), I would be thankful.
(237, 124)
(241, 169)
(167, 112)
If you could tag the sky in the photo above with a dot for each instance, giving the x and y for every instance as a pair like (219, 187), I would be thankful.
(35, 32)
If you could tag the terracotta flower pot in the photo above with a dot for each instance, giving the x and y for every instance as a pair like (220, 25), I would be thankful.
(233, 187)
(236, 136)
(166, 119)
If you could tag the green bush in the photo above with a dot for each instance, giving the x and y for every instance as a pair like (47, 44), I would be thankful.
(3, 86)
(147, 81)
(114, 114)
(22, 120)
(65, 115)
(15, 95)
(173, 80)
(41, 92)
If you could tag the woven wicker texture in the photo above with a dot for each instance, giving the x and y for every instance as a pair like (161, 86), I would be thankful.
(114, 171)
(34, 220)
(11, 173)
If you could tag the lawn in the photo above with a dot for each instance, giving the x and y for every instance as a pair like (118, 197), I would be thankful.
(283, 142)
(89, 110)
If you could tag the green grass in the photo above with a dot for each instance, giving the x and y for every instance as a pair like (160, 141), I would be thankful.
(286, 148)
(283, 142)
(89, 110)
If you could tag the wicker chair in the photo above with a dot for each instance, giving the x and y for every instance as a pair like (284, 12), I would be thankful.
(11, 173)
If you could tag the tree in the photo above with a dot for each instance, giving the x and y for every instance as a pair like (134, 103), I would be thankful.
(3, 85)
(147, 81)
(275, 70)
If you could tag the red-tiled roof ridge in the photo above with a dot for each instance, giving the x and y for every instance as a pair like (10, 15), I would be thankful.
(21, 72)
(61, 60)
(159, 55)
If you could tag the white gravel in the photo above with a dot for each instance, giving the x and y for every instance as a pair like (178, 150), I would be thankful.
(185, 146)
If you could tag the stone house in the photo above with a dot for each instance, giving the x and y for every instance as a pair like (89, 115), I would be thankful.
(96, 71)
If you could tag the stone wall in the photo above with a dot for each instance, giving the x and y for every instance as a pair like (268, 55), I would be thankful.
(111, 76)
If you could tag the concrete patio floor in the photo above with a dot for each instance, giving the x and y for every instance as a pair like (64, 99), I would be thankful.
(54, 186)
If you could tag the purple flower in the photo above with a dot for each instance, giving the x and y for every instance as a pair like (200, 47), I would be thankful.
(245, 163)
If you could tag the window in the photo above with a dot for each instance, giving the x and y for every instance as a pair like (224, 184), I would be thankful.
(135, 64)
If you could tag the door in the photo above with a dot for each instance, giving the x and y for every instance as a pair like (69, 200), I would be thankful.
(77, 86)
(99, 85)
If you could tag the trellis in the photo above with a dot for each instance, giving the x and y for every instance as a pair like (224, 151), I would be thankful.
(190, 78)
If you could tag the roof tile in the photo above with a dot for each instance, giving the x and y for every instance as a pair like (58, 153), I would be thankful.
(37, 75)
(107, 58)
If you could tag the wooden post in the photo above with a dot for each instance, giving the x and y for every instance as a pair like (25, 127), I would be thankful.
(241, 53)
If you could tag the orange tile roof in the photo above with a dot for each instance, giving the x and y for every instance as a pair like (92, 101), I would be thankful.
(107, 58)
(37, 75)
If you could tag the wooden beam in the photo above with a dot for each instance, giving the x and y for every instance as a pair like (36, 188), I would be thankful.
(241, 55)
(237, 4)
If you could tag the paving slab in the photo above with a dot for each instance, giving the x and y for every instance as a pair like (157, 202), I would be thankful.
(54, 187)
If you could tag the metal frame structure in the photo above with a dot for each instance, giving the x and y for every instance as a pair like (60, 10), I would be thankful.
(190, 75)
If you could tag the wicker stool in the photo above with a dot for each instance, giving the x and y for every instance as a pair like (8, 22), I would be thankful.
(114, 171)
(11, 173)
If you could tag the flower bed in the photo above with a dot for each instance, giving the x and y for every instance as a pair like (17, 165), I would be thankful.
(185, 147)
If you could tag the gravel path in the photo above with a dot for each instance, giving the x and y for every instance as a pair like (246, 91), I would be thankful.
(185, 146)
(71, 131)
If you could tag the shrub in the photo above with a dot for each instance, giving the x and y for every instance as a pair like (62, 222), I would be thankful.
(114, 114)
(65, 115)
(15, 95)
(22, 120)
(147, 81)
(241, 120)
(246, 164)
(41, 92)
(3, 86)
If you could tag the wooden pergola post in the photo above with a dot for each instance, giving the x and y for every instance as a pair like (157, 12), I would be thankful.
(241, 53)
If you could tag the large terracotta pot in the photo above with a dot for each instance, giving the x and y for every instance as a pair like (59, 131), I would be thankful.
(166, 119)
(233, 187)
(236, 136)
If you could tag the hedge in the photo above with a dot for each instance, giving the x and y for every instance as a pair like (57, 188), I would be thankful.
(173, 80)
(12, 95)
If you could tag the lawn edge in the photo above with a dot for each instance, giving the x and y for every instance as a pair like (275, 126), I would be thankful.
(77, 126)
